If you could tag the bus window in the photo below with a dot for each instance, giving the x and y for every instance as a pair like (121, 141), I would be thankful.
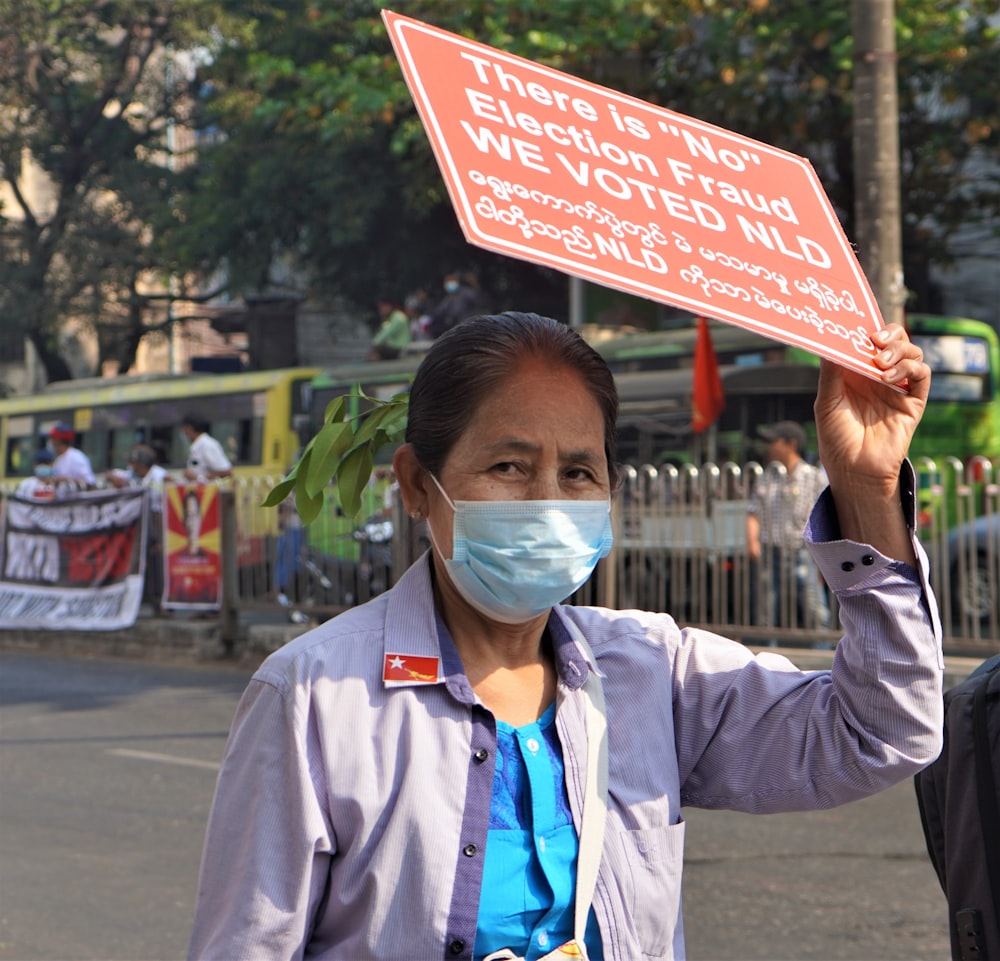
(962, 387)
(94, 443)
(122, 441)
(20, 455)
(950, 353)
(234, 437)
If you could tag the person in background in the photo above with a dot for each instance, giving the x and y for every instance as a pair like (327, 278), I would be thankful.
(408, 780)
(40, 486)
(393, 336)
(71, 466)
(417, 311)
(144, 471)
(789, 590)
(206, 459)
(458, 303)
(480, 304)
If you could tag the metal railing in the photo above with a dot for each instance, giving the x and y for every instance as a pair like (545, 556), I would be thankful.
(680, 547)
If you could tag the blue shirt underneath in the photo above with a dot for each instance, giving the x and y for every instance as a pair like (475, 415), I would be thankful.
(529, 874)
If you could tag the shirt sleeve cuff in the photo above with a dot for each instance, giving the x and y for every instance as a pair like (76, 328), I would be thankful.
(844, 564)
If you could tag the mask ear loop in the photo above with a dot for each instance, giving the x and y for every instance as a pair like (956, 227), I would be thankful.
(437, 484)
(430, 530)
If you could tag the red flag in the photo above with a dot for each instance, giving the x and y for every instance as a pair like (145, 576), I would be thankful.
(409, 669)
(707, 400)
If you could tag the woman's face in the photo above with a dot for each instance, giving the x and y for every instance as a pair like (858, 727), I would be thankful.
(538, 436)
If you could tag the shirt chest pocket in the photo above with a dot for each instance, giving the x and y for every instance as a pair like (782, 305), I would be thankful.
(648, 867)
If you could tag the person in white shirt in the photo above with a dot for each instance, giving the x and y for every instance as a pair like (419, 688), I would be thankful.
(142, 471)
(206, 458)
(72, 465)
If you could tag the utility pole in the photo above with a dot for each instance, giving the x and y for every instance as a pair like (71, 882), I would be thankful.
(878, 228)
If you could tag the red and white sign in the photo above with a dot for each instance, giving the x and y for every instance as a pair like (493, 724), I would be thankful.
(192, 533)
(72, 563)
(549, 168)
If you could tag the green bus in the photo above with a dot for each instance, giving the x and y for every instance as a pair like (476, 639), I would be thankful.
(763, 381)
(962, 418)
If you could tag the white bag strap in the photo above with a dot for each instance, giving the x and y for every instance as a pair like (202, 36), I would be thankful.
(595, 797)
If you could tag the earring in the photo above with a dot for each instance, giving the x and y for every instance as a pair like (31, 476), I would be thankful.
(417, 515)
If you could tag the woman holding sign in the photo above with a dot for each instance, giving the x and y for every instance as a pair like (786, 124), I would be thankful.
(466, 768)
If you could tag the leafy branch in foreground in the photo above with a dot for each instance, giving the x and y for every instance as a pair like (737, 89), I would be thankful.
(344, 449)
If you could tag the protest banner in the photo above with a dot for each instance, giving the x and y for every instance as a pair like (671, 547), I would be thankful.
(74, 563)
(549, 168)
(192, 537)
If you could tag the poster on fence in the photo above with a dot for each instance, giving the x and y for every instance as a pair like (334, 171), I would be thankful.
(76, 563)
(192, 539)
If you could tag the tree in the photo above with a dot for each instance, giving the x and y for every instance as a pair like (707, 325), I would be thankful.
(325, 159)
(86, 110)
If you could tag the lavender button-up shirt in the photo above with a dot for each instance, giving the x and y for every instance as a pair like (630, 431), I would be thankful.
(352, 807)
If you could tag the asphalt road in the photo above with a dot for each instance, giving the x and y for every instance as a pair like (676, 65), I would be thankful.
(106, 774)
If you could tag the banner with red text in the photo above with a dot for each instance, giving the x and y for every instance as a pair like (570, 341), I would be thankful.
(73, 564)
(192, 539)
(548, 168)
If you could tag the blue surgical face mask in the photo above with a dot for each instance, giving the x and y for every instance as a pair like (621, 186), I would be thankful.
(513, 560)
(44, 470)
(451, 286)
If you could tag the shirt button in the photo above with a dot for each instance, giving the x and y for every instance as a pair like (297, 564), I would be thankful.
(457, 946)
(847, 566)
(470, 850)
(868, 560)
(481, 755)
(543, 938)
(532, 745)
(541, 844)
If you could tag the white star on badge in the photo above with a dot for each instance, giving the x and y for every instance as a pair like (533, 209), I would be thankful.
(396, 662)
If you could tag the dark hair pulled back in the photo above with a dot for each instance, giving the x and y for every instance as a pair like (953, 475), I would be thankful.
(468, 362)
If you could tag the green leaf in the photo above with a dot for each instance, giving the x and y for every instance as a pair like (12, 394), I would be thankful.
(394, 423)
(335, 410)
(308, 505)
(372, 422)
(329, 446)
(355, 469)
(279, 492)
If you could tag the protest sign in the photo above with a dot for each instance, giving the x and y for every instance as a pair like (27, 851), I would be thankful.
(552, 169)
(193, 554)
(75, 563)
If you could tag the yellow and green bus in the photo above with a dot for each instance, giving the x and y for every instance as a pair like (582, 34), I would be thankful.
(261, 418)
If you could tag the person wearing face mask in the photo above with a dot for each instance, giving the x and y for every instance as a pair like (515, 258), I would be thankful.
(460, 301)
(41, 485)
(467, 767)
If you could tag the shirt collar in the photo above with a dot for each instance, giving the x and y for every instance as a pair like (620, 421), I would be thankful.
(415, 629)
